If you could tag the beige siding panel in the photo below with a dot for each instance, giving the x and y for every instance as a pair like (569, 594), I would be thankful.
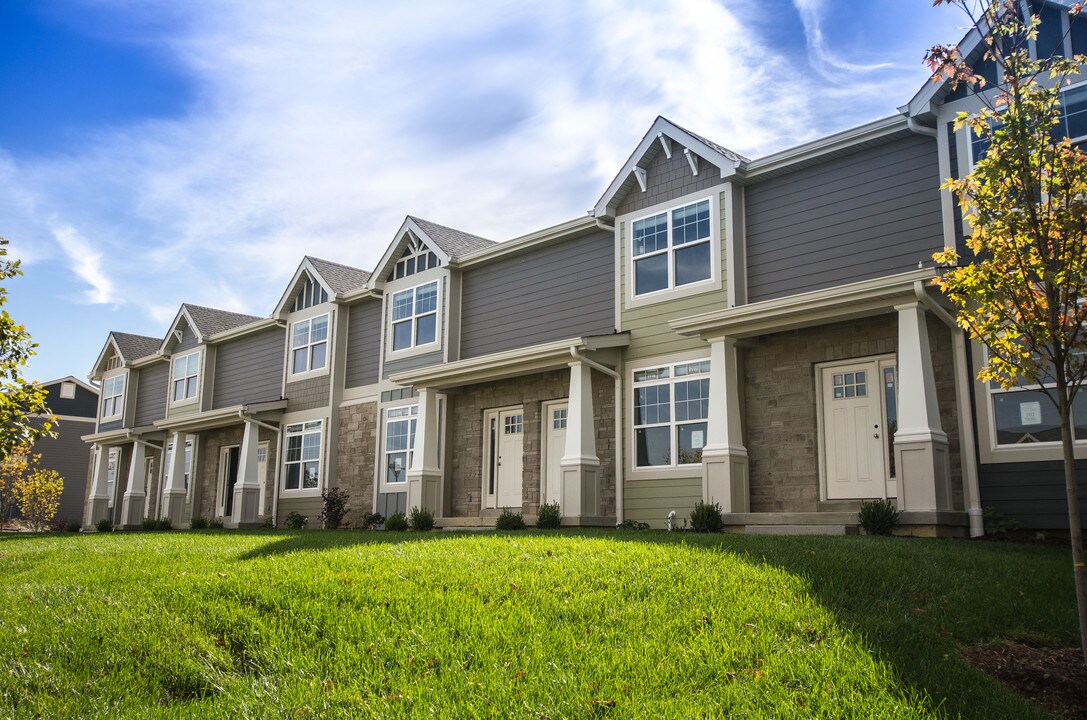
(309, 506)
(651, 500)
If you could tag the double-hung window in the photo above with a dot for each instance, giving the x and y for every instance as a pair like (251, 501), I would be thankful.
(303, 456)
(309, 344)
(671, 404)
(672, 249)
(415, 316)
(113, 396)
(186, 376)
(400, 426)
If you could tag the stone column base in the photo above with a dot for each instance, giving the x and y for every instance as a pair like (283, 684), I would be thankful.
(425, 491)
(923, 467)
(97, 509)
(246, 499)
(724, 478)
(173, 506)
(132, 505)
(580, 487)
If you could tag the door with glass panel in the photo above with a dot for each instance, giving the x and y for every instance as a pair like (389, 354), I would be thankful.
(505, 457)
(854, 432)
(554, 434)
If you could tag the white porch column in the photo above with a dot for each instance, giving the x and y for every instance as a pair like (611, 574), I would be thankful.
(922, 460)
(98, 501)
(245, 512)
(173, 494)
(136, 495)
(724, 458)
(424, 477)
(580, 465)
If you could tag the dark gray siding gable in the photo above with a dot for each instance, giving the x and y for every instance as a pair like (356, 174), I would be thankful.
(151, 394)
(873, 213)
(250, 368)
(363, 344)
(557, 291)
(188, 339)
(84, 404)
(1032, 492)
(667, 180)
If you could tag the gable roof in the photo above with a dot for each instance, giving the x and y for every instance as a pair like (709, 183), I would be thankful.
(72, 379)
(133, 347)
(211, 321)
(454, 243)
(726, 160)
(339, 278)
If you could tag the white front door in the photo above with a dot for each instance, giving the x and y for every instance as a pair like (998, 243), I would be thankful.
(505, 458)
(554, 434)
(853, 432)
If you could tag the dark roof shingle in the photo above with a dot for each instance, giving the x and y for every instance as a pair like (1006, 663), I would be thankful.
(733, 156)
(134, 347)
(341, 278)
(454, 243)
(210, 321)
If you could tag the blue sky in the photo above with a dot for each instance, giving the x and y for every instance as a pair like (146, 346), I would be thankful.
(155, 152)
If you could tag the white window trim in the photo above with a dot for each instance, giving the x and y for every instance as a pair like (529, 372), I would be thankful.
(199, 377)
(993, 453)
(383, 453)
(293, 376)
(322, 458)
(713, 283)
(684, 469)
(414, 349)
(119, 406)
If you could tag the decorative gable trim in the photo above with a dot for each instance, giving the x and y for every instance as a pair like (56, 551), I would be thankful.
(98, 369)
(666, 133)
(409, 230)
(305, 270)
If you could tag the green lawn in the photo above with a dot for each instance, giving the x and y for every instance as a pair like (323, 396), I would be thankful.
(534, 625)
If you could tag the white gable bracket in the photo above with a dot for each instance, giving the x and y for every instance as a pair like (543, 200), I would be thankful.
(666, 143)
(639, 172)
(692, 159)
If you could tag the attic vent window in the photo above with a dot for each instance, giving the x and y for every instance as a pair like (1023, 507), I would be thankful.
(113, 363)
(67, 390)
(312, 294)
(416, 258)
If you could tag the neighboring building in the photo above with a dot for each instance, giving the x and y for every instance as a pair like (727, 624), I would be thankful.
(760, 333)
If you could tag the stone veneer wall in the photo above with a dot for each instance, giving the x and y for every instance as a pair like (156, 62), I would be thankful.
(465, 433)
(357, 446)
(780, 423)
(208, 465)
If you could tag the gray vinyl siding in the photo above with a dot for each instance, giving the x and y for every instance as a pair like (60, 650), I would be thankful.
(669, 179)
(68, 455)
(392, 503)
(111, 425)
(363, 344)
(188, 339)
(151, 394)
(308, 394)
(558, 291)
(875, 212)
(414, 362)
(249, 369)
(84, 404)
(1032, 493)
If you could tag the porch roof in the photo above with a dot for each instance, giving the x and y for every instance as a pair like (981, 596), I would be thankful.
(512, 363)
(223, 417)
(818, 307)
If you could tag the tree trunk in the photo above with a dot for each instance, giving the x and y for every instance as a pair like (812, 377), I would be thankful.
(1075, 525)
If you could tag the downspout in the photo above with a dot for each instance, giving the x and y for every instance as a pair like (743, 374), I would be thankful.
(619, 461)
(275, 475)
(967, 458)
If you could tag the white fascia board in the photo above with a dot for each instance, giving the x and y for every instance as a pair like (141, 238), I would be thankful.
(218, 418)
(815, 307)
(148, 360)
(830, 143)
(357, 294)
(525, 242)
(72, 379)
(255, 326)
(181, 313)
(96, 372)
(377, 277)
(109, 437)
(305, 266)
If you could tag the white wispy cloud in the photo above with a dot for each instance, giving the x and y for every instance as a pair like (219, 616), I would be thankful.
(86, 262)
(830, 64)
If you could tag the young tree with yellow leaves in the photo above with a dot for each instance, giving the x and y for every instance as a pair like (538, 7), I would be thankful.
(38, 495)
(1023, 294)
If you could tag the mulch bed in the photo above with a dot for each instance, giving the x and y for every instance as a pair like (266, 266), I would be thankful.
(1055, 678)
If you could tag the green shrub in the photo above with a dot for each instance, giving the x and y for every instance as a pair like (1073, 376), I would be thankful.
(996, 525)
(369, 520)
(198, 523)
(296, 520)
(396, 522)
(73, 526)
(421, 519)
(164, 524)
(707, 518)
(104, 525)
(335, 500)
(878, 517)
(549, 517)
(509, 520)
(268, 523)
(632, 525)
(215, 523)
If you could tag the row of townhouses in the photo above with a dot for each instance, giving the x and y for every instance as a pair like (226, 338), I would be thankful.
(760, 333)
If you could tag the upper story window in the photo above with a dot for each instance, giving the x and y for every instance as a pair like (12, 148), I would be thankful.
(416, 258)
(67, 390)
(672, 249)
(309, 344)
(113, 397)
(312, 294)
(186, 374)
(671, 404)
(415, 317)
(1072, 123)
(302, 461)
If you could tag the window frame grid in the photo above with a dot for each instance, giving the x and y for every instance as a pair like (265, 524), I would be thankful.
(670, 376)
